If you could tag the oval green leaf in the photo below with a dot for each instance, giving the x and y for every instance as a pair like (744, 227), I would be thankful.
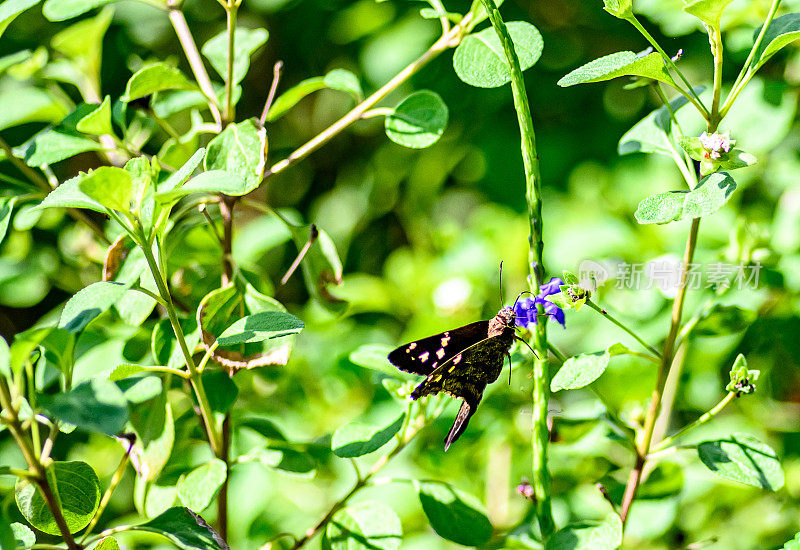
(580, 371)
(364, 526)
(98, 122)
(155, 78)
(185, 529)
(358, 438)
(246, 42)
(743, 458)
(109, 186)
(454, 515)
(107, 543)
(261, 326)
(619, 64)
(90, 302)
(419, 121)
(481, 61)
(239, 149)
(588, 535)
(75, 486)
(199, 487)
(23, 534)
(69, 195)
(782, 31)
(214, 181)
(95, 405)
(59, 10)
(707, 11)
(710, 195)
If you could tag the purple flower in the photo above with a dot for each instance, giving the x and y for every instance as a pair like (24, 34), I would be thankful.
(525, 489)
(716, 144)
(526, 309)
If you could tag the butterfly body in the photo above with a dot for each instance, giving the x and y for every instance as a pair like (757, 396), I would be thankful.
(459, 362)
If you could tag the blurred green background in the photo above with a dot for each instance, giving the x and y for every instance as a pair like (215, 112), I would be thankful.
(421, 235)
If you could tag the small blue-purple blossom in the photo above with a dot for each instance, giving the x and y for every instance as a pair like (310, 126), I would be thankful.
(527, 311)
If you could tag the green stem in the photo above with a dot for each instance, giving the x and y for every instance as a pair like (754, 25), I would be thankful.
(699, 422)
(642, 450)
(621, 325)
(115, 479)
(445, 42)
(689, 93)
(541, 378)
(684, 163)
(231, 11)
(715, 38)
(195, 377)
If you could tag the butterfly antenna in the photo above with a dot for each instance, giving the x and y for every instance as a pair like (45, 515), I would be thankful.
(520, 296)
(509, 370)
(501, 283)
(527, 344)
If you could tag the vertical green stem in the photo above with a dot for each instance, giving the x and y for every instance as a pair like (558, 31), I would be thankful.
(541, 377)
(231, 11)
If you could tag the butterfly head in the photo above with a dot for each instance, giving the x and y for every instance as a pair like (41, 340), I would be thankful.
(504, 319)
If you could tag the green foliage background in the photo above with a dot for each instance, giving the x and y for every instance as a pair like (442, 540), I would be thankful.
(421, 234)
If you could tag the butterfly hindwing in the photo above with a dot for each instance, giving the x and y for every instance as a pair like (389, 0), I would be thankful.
(425, 355)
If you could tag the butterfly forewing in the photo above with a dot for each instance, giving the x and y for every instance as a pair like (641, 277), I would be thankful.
(460, 362)
(425, 355)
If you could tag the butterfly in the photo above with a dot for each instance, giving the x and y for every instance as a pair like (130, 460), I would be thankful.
(459, 362)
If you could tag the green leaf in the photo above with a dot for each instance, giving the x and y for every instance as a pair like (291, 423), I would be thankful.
(262, 426)
(419, 121)
(344, 81)
(358, 438)
(588, 535)
(10, 9)
(122, 372)
(710, 195)
(793, 544)
(743, 458)
(337, 79)
(213, 181)
(107, 543)
(221, 390)
(261, 326)
(580, 371)
(98, 122)
(239, 149)
(59, 10)
(374, 356)
(707, 11)
(23, 534)
(782, 31)
(75, 487)
(619, 64)
(82, 45)
(155, 436)
(8, 540)
(55, 145)
(109, 186)
(481, 61)
(454, 515)
(141, 173)
(621, 9)
(182, 174)
(199, 487)
(90, 302)
(5, 359)
(69, 195)
(30, 105)
(650, 135)
(185, 529)
(364, 526)
(140, 388)
(96, 405)
(723, 320)
(246, 42)
(478, 12)
(281, 456)
(6, 207)
(155, 78)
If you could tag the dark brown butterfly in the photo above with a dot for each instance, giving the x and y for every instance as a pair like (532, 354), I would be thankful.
(460, 362)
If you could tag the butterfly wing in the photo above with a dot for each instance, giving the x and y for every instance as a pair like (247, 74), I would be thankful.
(465, 376)
(425, 355)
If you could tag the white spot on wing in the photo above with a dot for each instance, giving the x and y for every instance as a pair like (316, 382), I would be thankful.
(445, 341)
(424, 357)
(440, 353)
(457, 359)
